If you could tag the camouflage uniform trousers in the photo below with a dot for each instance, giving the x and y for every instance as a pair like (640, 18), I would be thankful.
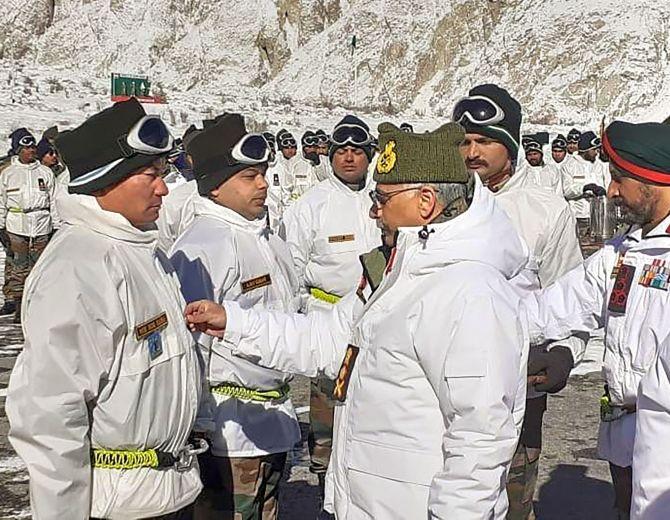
(7, 286)
(521, 483)
(320, 438)
(239, 488)
(24, 254)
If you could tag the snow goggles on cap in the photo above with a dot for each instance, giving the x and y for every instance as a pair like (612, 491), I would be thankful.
(148, 136)
(251, 149)
(312, 140)
(533, 146)
(573, 137)
(479, 110)
(322, 136)
(287, 142)
(593, 143)
(27, 141)
(559, 144)
(351, 134)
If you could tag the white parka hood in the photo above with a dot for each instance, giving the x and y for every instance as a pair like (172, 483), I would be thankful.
(484, 233)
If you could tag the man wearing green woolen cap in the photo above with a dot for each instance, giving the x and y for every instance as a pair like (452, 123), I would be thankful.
(428, 354)
(625, 288)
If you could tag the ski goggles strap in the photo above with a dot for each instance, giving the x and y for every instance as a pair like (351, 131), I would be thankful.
(480, 110)
(287, 142)
(27, 141)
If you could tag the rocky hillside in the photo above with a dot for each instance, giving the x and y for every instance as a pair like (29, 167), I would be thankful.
(568, 62)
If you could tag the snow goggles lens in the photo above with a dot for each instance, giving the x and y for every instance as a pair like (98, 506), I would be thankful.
(251, 149)
(351, 134)
(312, 141)
(287, 142)
(559, 144)
(153, 133)
(479, 110)
(27, 141)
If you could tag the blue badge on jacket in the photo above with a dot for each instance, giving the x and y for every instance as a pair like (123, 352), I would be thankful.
(155, 345)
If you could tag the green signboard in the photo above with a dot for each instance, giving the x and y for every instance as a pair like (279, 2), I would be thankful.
(130, 85)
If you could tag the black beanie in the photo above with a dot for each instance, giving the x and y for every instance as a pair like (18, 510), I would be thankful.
(211, 151)
(560, 143)
(43, 148)
(351, 120)
(573, 135)
(507, 130)
(17, 135)
(588, 141)
(96, 143)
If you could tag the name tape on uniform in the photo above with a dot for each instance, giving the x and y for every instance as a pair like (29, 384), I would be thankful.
(144, 330)
(256, 283)
(341, 238)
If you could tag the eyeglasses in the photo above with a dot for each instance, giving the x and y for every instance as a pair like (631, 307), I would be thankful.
(479, 110)
(351, 134)
(379, 198)
(148, 136)
(251, 149)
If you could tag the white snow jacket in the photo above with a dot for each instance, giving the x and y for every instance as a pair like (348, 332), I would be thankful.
(546, 176)
(651, 458)
(436, 397)
(28, 199)
(89, 378)
(222, 255)
(577, 173)
(296, 177)
(545, 222)
(176, 213)
(634, 317)
(327, 230)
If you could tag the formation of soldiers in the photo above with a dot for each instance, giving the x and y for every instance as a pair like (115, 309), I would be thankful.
(431, 285)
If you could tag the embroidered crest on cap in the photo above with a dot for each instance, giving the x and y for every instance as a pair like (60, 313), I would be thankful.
(655, 275)
(256, 283)
(334, 239)
(157, 323)
(387, 159)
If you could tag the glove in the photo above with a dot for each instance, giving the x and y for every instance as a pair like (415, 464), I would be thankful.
(598, 191)
(552, 368)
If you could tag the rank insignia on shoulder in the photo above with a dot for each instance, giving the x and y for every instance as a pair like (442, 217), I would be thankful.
(155, 324)
(334, 239)
(655, 275)
(344, 375)
(256, 283)
(622, 284)
(155, 345)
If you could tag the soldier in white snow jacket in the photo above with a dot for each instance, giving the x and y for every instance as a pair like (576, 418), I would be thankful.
(327, 230)
(492, 119)
(28, 213)
(624, 288)
(229, 253)
(105, 394)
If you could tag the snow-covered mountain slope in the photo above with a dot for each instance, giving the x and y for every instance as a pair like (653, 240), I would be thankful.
(291, 61)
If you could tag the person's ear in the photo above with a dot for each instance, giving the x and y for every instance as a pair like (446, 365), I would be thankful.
(427, 201)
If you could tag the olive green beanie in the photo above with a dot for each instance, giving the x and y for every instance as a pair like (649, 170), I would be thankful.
(408, 158)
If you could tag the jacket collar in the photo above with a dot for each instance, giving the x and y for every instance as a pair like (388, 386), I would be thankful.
(336, 184)
(30, 166)
(84, 211)
(206, 207)
(662, 230)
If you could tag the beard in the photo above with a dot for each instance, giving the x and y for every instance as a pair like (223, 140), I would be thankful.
(640, 212)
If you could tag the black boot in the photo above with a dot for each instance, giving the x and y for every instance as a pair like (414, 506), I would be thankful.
(8, 308)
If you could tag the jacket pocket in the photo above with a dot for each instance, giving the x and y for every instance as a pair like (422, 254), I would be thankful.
(395, 463)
